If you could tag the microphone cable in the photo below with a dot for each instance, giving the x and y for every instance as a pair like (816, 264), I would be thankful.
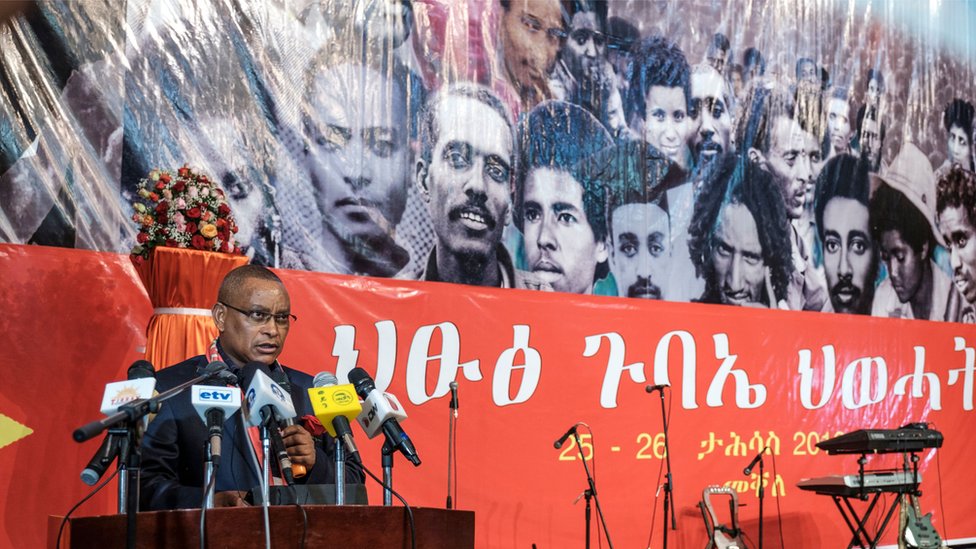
(94, 491)
(413, 528)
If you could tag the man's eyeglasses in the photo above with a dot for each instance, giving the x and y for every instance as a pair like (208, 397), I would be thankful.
(259, 318)
(535, 25)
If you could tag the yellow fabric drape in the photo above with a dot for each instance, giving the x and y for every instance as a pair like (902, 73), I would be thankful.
(178, 277)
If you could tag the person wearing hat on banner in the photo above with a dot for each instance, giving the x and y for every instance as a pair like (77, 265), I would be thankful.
(956, 207)
(903, 224)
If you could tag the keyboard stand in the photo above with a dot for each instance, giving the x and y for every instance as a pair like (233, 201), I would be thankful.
(861, 521)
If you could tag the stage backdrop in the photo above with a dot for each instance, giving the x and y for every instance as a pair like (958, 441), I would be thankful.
(529, 365)
(309, 115)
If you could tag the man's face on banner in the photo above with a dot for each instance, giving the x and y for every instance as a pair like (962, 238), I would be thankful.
(960, 236)
(906, 267)
(793, 156)
(384, 23)
(469, 178)
(585, 46)
(871, 140)
(849, 261)
(530, 34)
(711, 104)
(357, 157)
(641, 254)
(839, 124)
(666, 121)
(559, 241)
(737, 267)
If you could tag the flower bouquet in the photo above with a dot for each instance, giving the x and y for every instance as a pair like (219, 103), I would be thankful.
(187, 210)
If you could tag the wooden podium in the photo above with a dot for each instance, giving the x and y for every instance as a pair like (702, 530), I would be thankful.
(243, 527)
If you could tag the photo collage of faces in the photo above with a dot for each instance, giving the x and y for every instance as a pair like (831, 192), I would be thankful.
(554, 145)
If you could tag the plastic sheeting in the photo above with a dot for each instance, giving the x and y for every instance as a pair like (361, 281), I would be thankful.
(310, 116)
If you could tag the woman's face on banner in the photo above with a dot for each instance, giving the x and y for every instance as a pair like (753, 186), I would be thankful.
(666, 121)
(959, 149)
(357, 155)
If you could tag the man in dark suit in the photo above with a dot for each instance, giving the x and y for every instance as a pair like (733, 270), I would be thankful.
(253, 316)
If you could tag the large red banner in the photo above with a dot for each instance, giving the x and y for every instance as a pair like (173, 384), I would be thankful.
(529, 365)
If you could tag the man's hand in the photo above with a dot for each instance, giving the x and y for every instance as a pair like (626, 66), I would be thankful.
(230, 498)
(300, 445)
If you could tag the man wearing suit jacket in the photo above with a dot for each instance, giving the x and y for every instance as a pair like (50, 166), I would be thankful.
(253, 316)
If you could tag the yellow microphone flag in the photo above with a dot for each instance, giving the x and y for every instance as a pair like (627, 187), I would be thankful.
(334, 401)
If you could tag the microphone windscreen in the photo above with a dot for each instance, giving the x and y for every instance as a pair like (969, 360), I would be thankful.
(281, 378)
(362, 381)
(324, 379)
(141, 369)
(247, 373)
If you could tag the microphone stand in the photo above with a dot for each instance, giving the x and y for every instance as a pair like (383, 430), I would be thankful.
(340, 472)
(451, 425)
(762, 496)
(387, 459)
(668, 479)
(265, 466)
(592, 491)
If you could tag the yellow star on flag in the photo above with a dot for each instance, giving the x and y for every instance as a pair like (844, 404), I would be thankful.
(11, 431)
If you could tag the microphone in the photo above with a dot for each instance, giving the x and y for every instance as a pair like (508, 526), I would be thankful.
(652, 388)
(562, 440)
(366, 389)
(454, 398)
(335, 405)
(281, 378)
(140, 383)
(748, 470)
(267, 405)
(213, 404)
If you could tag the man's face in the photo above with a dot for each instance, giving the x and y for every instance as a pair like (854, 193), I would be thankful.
(736, 78)
(737, 267)
(357, 157)
(666, 121)
(960, 236)
(585, 46)
(959, 150)
(906, 267)
(707, 94)
(849, 261)
(870, 140)
(468, 183)
(530, 38)
(244, 339)
(641, 238)
(793, 156)
(559, 241)
(839, 124)
(227, 156)
(874, 92)
(808, 73)
(716, 58)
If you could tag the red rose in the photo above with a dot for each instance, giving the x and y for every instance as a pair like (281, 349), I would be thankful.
(191, 228)
(219, 192)
(221, 223)
(223, 209)
(153, 196)
(161, 218)
(193, 213)
(142, 238)
(179, 186)
(184, 171)
(162, 207)
(198, 242)
(160, 185)
(224, 247)
(164, 178)
(171, 243)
